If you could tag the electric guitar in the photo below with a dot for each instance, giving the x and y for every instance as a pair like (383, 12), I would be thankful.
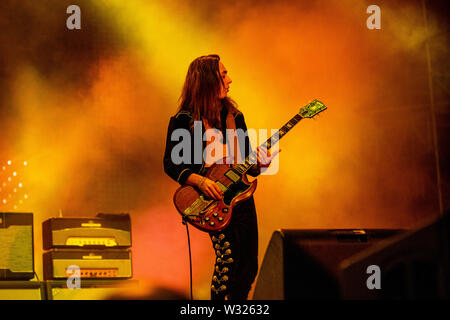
(207, 214)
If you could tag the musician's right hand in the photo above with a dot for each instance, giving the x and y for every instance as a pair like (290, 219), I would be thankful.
(210, 188)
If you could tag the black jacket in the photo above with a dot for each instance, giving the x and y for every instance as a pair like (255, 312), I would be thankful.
(181, 172)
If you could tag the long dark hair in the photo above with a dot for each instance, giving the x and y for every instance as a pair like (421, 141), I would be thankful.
(201, 90)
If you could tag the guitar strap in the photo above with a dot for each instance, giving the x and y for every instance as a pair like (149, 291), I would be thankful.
(235, 153)
(229, 138)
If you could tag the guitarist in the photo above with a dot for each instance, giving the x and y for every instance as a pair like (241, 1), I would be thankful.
(204, 99)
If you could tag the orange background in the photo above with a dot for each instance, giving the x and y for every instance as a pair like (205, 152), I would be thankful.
(88, 110)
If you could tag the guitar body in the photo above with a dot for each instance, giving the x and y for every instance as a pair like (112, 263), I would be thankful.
(208, 214)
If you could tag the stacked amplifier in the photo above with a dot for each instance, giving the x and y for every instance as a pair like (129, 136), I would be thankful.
(16, 246)
(96, 248)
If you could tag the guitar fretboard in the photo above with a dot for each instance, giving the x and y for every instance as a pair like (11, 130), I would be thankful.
(252, 157)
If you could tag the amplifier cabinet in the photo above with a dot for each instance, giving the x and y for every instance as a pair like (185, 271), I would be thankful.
(90, 289)
(22, 290)
(16, 246)
(93, 264)
(105, 230)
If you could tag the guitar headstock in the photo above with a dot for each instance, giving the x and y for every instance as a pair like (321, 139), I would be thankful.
(311, 109)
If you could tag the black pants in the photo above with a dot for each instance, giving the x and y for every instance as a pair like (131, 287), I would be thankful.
(236, 250)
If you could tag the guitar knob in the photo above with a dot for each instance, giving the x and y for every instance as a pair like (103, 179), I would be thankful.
(215, 214)
(225, 210)
(207, 219)
(220, 219)
(211, 223)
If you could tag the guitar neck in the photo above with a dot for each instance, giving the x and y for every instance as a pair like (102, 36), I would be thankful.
(251, 159)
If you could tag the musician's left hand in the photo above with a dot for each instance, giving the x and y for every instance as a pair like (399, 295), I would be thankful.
(265, 157)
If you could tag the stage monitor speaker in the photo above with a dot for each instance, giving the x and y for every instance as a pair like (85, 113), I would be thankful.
(16, 246)
(413, 265)
(304, 263)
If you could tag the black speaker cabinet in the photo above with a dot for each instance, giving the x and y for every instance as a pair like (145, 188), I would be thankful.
(304, 264)
(16, 246)
(413, 265)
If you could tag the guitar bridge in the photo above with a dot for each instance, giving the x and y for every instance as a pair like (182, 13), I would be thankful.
(197, 207)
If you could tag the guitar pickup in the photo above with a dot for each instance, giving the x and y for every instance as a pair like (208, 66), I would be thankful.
(233, 176)
(222, 186)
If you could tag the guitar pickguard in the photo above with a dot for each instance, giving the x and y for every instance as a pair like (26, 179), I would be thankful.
(234, 190)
